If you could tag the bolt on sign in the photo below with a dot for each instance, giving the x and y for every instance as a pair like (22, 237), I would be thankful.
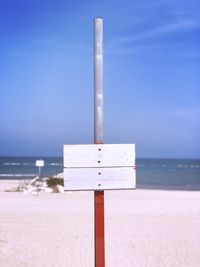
(99, 167)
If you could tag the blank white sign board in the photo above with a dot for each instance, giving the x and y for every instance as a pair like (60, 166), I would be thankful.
(99, 167)
(39, 163)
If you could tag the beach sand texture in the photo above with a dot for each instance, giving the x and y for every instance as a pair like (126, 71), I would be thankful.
(147, 228)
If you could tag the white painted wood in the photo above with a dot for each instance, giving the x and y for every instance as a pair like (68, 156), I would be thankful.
(99, 167)
(103, 155)
(99, 178)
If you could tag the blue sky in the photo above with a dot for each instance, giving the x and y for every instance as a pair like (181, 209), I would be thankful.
(151, 76)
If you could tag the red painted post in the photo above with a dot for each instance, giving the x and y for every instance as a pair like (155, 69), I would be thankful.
(99, 229)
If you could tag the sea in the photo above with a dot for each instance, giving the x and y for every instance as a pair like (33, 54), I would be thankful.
(169, 174)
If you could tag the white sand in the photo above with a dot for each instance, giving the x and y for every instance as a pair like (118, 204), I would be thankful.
(143, 228)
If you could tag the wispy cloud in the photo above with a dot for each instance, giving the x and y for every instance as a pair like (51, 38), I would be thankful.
(143, 24)
(177, 26)
(148, 39)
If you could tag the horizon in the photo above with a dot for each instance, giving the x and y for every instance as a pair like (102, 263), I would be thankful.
(139, 158)
(151, 76)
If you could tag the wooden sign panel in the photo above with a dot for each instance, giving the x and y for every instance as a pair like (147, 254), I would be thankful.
(99, 167)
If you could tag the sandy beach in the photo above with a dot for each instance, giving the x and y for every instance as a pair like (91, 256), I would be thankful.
(143, 228)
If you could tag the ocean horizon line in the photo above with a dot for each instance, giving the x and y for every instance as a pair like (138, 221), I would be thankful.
(140, 158)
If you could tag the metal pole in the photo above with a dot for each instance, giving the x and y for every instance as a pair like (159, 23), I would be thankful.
(39, 172)
(98, 139)
(98, 80)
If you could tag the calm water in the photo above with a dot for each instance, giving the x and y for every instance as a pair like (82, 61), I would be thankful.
(151, 173)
